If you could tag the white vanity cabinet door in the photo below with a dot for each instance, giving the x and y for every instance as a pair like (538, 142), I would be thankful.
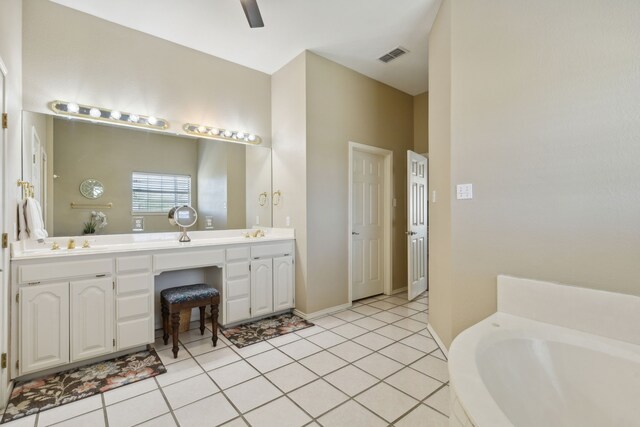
(282, 283)
(134, 310)
(91, 318)
(261, 287)
(44, 326)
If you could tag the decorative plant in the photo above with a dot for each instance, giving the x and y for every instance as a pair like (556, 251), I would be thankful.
(98, 220)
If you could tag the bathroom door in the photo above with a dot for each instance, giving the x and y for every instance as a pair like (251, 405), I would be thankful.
(4, 286)
(417, 174)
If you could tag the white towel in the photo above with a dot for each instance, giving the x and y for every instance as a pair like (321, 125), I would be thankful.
(34, 221)
(22, 225)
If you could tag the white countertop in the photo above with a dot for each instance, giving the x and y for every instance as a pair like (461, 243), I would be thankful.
(104, 244)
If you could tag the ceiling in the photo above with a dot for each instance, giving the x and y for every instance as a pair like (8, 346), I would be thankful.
(354, 33)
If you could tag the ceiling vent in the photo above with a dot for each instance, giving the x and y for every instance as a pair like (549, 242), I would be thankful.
(395, 53)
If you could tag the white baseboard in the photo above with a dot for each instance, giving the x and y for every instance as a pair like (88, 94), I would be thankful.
(438, 340)
(321, 312)
(397, 291)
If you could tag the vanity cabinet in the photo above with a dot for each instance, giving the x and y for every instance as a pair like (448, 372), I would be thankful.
(261, 287)
(283, 288)
(91, 318)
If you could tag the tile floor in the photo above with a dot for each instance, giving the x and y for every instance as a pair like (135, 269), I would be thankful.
(372, 365)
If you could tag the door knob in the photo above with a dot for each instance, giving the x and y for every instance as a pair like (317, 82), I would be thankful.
(353, 233)
(410, 233)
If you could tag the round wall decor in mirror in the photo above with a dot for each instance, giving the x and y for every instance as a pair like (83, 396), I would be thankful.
(91, 189)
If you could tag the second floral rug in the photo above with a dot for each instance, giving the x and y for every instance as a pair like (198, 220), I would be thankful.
(264, 329)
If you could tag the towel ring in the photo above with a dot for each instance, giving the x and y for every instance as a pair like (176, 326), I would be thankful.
(276, 198)
(262, 198)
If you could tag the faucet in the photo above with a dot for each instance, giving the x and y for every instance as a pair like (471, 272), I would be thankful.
(71, 244)
(55, 246)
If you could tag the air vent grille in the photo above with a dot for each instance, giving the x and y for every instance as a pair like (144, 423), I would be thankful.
(395, 53)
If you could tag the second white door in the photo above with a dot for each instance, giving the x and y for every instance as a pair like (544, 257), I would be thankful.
(367, 224)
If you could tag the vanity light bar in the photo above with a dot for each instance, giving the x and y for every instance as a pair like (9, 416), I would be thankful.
(218, 134)
(91, 113)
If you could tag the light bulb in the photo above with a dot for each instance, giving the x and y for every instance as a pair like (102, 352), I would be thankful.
(202, 129)
(94, 112)
(152, 120)
(215, 131)
(228, 133)
(73, 108)
(134, 118)
(240, 135)
(252, 137)
(115, 115)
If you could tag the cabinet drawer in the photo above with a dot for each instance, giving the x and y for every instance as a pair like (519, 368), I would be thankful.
(237, 269)
(133, 283)
(133, 306)
(134, 333)
(133, 263)
(241, 253)
(238, 288)
(271, 250)
(188, 259)
(64, 270)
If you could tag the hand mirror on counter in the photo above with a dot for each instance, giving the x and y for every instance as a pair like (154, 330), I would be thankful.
(184, 217)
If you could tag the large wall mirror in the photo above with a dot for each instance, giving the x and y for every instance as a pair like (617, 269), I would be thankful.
(134, 177)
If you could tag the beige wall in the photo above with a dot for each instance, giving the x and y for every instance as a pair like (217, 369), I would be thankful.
(421, 123)
(344, 106)
(84, 150)
(289, 115)
(545, 122)
(73, 56)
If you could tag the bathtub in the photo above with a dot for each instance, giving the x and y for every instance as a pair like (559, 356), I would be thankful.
(516, 370)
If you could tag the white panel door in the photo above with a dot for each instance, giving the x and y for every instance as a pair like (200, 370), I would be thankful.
(4, 293)
(261, 287)
(92, 316)
(238, 299)
(367, 229)
(417, 174)
(282, 283)
(44, 326)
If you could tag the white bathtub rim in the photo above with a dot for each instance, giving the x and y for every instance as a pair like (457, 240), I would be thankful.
(465, 377)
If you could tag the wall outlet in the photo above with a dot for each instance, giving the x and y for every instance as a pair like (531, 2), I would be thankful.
(208, 222)
(464, 191)
(433, 196)
(288, 221)
(137, 223)
(257, 219)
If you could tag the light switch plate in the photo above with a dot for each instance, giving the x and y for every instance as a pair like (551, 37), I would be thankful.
(208, 222)
(464, 191)
(137, 223)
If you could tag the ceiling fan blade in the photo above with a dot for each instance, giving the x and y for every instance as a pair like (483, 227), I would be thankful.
(252, 12)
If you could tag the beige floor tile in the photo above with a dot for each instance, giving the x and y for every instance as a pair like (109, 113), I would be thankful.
(419, 342)
(425, 332)
(29, 421)
(393, 332)
(386, 401)
(328, 322)
(165, 420)
(194, 335)
(369, 323)
(348, 315)
(351, 414)
(291, 376)
(136, 410)
(410, 324)
(440, 400)
(70, 410)
(251, 394)
(211, 411)
(196, 348)
(270, 360)
(160, 345)
(423, 416)
(130, 390)
(386, 316)
(326, 339)
(413, 383)
(367, 310)
(382, 305)
(349, 330)
(166, 356)
(373, 341)
(421, 317)
(307, 332)
(283, 339)
(233, 374)
(439, 355)
(178, 372)
(350, 351)
(93, 419)
(403, 311)
(190, 390)
(300, 349)
(397, 300)
(253, 349)
(351, 380)
(402, 353)
(414, 305)
(378, 365)
(217, 358)
(279, 413)
(238, 422)
(322, 363)
(433, 367)
(318, 397)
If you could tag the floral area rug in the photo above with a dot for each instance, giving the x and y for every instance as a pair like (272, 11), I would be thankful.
(265, 329)
(30, 397)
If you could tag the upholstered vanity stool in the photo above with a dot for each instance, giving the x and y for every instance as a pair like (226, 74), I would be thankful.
(173, 300)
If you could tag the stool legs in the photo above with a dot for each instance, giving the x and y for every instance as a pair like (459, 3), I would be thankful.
(165, 324)
(214, 323)
(175, 324)
(202, 319)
